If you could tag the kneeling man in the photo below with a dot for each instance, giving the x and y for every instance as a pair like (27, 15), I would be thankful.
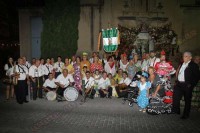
(104, 86)
(89, 85)
(49, 84)
(63, 81)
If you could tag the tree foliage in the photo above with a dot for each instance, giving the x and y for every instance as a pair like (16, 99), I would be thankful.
(60, 28)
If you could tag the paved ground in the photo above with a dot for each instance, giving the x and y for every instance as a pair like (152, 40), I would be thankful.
(94, 116)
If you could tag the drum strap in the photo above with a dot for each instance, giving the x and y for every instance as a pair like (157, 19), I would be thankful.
(48, 68)
(86, 82)
(19, 67)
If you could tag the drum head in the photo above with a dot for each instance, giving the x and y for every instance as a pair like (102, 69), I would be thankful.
(71, 94)
(51, 96)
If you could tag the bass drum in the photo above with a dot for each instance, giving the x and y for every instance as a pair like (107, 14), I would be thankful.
(70, 94)
(51, 96)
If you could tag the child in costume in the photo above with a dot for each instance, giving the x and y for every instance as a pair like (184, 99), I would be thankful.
(144, 86)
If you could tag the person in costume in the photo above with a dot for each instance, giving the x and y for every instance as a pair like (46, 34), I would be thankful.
(143, 85)
(77, 74)
(164, 68)
(96, 65)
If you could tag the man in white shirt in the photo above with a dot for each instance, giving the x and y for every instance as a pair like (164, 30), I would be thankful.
(153, 59)
(187, 76)
(36, 77)
(26, 63)
(89, 85)
(63, 81)
(123, 84)
(20, 75)
(145, 62)
(104, 86)
(48, 68)
(49, 84)
(58, 66)
(26, 66)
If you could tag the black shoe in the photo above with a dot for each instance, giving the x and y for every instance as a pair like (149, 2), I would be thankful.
(174, 112)
(91, 97)
(59, 100)
(184, 117)
(26, 101)
(6, 100)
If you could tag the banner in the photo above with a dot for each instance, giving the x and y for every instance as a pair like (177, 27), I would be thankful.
(110, 39)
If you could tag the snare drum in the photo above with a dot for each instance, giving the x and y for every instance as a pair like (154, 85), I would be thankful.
(51, 96)
(70, 94)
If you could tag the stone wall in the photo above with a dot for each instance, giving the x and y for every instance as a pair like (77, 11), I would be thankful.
(25, 30)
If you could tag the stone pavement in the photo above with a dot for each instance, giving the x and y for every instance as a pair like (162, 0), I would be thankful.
(94, 116)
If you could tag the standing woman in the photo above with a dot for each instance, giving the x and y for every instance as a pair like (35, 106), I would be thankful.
(77, 74)
(85, 61)
(110, 66)
(123, 62)
(104, 59)
(73, 60)
(96, 65)
(9, 84)
(68, 66)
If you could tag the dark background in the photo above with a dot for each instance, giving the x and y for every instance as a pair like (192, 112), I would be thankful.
(9, 28)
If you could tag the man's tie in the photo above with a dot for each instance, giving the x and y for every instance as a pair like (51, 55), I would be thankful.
(59, 67)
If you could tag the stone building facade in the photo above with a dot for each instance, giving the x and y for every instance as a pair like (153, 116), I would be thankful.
(98, 14)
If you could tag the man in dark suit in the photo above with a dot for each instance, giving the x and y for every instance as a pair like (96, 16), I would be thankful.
(187, 76)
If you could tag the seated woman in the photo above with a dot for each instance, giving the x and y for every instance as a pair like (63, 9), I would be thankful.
(155, 83)
(131, 68)
(49, 84)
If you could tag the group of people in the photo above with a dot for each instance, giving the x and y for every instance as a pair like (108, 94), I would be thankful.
(109, 76)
